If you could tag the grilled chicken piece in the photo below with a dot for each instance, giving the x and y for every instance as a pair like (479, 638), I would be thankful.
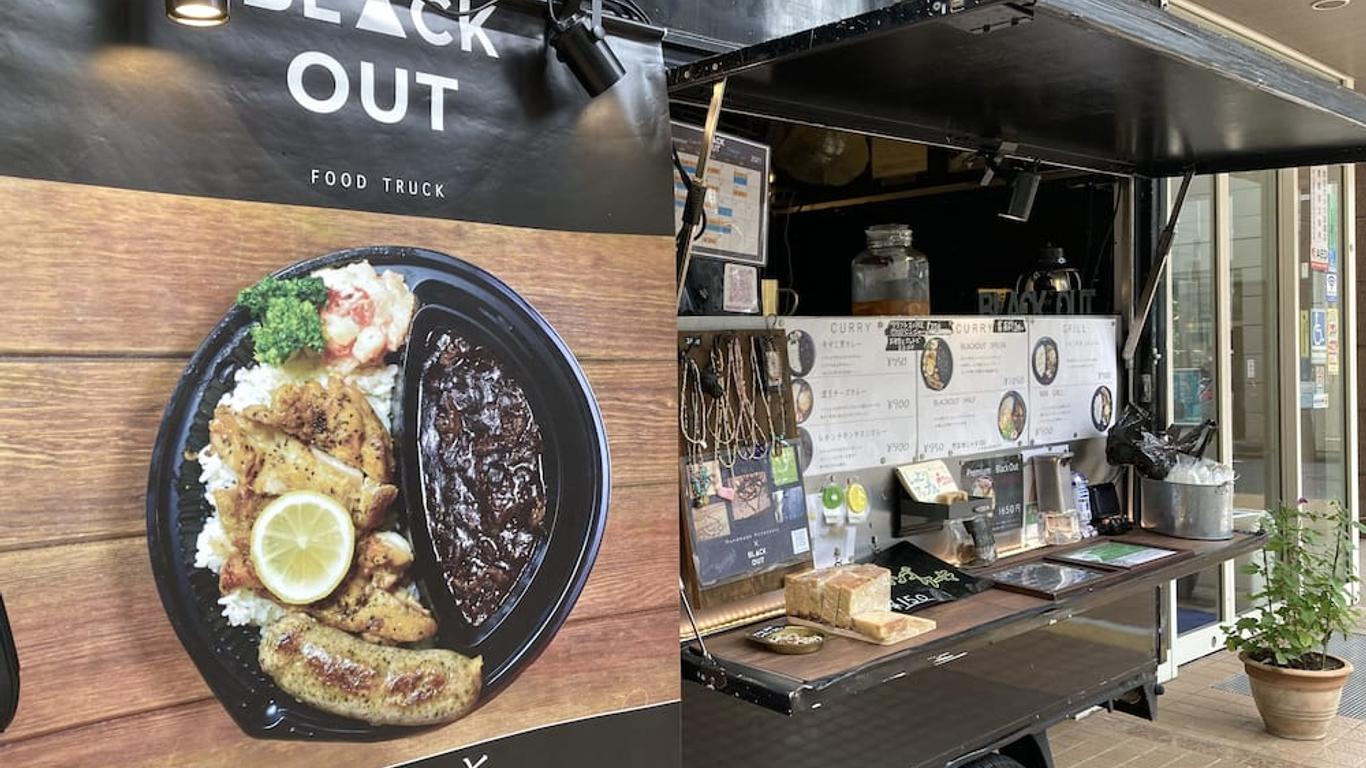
(238, 573)
(384, 558)
(363, 607)
(335, 418)
(337, 673)
(269, 462)
(238, 507)
(382, 561)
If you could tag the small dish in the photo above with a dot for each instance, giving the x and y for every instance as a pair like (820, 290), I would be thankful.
(789, 638)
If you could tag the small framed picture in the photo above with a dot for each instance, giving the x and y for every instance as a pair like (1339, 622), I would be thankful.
(1045, 579)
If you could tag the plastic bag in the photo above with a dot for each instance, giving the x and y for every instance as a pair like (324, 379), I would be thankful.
(1131, 443)
(1194, 471)
(1194, 441)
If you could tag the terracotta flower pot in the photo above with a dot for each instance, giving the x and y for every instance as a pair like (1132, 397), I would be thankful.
(1296, 703)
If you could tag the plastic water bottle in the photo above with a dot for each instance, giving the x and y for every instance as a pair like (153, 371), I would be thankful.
(1082, 489)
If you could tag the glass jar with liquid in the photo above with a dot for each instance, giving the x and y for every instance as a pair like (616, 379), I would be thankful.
(890, 277)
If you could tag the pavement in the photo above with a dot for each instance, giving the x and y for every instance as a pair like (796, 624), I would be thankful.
(1199, 726)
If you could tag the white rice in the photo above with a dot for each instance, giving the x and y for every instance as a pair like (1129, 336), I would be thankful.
(245, 606)
(254, 386)
(213, 547)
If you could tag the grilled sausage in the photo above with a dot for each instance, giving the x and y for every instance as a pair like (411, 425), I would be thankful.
(344, 675)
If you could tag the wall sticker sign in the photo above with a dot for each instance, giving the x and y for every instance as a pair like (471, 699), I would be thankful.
(338, 88)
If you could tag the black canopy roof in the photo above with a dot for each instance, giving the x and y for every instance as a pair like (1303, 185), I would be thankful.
(1119, 86)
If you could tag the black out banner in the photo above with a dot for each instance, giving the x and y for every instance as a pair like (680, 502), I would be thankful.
(378, 105)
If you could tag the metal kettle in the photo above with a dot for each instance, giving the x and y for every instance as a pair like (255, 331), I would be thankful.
(1050, 274)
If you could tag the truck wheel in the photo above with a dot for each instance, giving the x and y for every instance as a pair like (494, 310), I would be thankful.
(994, 761)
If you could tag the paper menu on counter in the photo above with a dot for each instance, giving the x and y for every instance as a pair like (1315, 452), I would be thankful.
(1116, 554)
(1073, 374)
(971, 396)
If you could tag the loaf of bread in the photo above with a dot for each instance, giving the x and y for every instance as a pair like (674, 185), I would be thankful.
(887, 626)
(835, 595)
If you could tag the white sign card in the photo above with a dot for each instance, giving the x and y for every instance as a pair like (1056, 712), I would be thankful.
(854, 399)
(1073, 373)
(971, 393)
(886, 391)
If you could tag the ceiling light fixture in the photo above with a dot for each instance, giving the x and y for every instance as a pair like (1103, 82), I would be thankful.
(198, 13)
(581, 43)
(1328, 5)
(1024, 182)
(1023, 188)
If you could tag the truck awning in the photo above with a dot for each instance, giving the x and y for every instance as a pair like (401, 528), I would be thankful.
(1116, 86)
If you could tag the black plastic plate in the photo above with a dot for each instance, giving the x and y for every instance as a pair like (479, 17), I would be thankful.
(577, 472)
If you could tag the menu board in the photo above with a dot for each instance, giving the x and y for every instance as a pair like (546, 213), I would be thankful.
(971, 391)
(1073, 377)
(854, 396)
(883, 391)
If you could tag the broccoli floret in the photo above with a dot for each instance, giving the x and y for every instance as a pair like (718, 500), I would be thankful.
(256, 299)
(288, 325)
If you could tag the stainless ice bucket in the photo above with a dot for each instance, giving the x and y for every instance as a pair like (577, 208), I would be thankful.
(1188, 511)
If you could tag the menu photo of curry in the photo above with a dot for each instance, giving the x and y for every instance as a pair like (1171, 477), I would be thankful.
(936, 364)
(1011, 416)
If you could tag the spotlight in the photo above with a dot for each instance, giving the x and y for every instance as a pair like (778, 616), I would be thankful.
(580, 42)
(1023, 188)
(198, 13)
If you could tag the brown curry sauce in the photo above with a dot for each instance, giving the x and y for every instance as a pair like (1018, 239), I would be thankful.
(480, 450)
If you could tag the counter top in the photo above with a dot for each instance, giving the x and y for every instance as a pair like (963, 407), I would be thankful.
(791, 684)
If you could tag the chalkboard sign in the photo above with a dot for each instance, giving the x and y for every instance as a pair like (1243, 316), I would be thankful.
(1000, 478)
(747, 518)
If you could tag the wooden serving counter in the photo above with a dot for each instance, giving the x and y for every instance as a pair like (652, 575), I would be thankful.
(999, 666)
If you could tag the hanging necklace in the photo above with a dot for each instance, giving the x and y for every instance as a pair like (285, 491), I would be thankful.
(724, 427)
(761, 386)
(692, 411)
(747, 422)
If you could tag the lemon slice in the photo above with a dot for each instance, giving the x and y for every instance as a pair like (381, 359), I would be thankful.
(302, 546)
(857, 497)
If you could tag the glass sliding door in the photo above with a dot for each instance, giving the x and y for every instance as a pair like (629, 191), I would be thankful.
(1254, 338)
(1260, 292)
(1193, 296)
(1195, 377)
(1323, 405)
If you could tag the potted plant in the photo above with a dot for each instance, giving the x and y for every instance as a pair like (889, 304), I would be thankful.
(1305, 570)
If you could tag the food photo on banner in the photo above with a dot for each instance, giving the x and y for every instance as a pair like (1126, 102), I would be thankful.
(334, 446)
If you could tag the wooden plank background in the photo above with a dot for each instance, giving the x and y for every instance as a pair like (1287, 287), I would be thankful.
(109, 293)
